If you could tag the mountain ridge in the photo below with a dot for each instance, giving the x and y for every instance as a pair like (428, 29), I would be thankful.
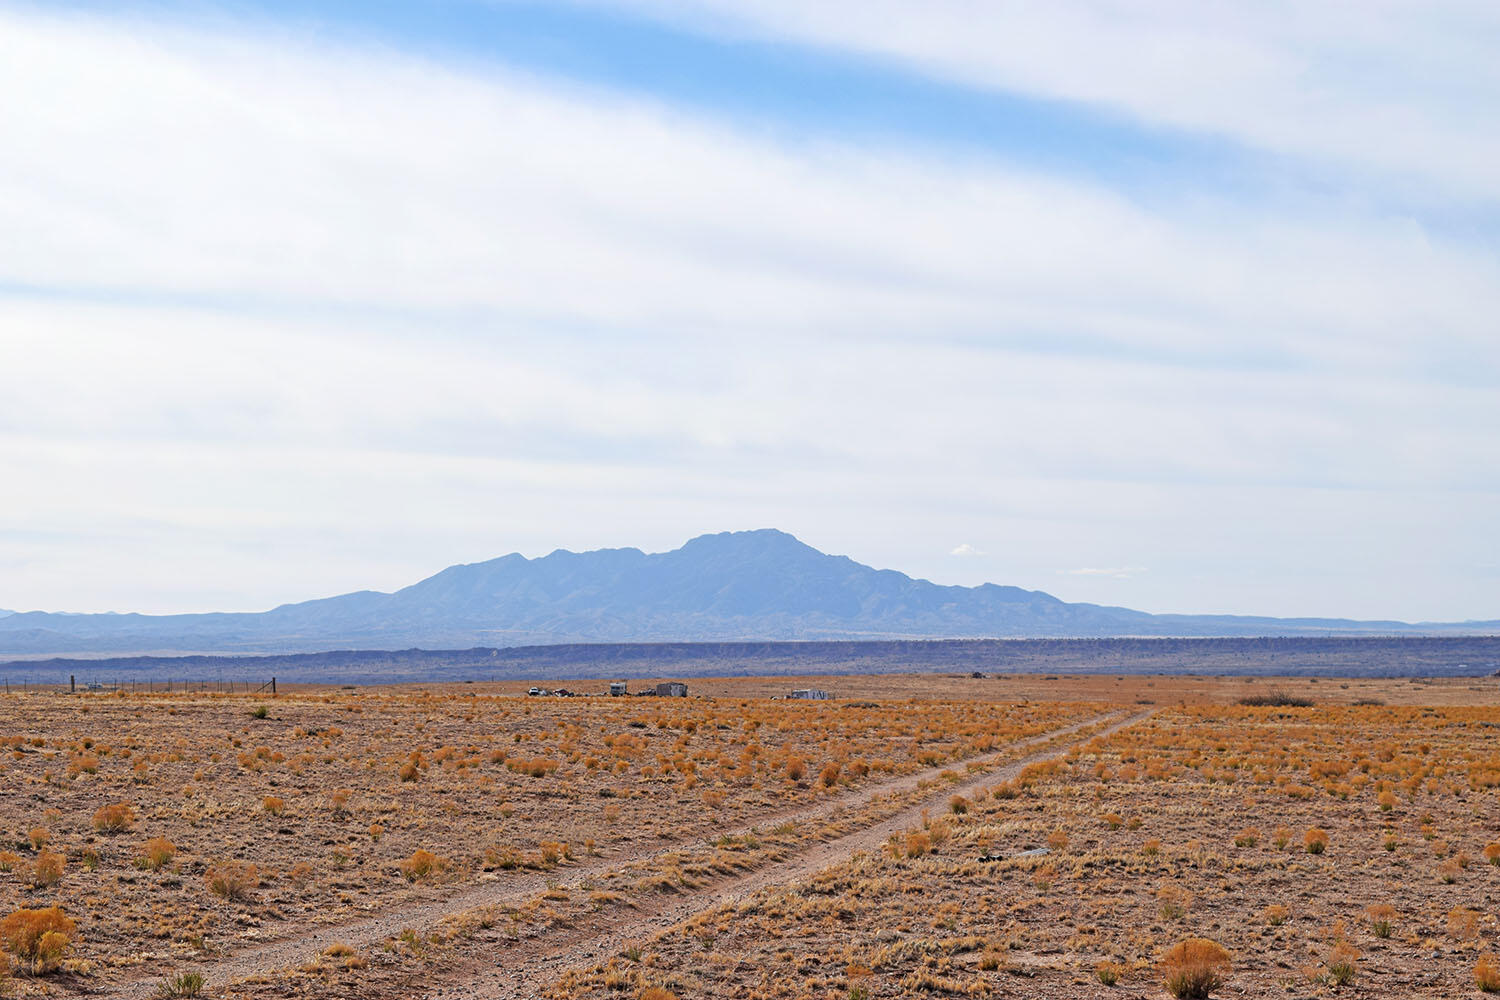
(763, 584)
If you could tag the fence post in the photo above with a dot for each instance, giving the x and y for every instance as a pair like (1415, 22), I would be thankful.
(273, 685)
(72, 685)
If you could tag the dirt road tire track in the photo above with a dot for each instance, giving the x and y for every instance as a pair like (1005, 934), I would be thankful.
(526, 960)
(525, 968)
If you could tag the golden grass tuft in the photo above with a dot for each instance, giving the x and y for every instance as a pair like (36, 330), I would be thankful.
(422, 864)
(115, 818)
(1487, 974)
(37, 940)
(232, 880)
(1193, 968)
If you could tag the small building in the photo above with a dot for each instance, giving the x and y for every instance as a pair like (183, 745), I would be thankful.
(811, 694)
(617, 688)
(672, 689)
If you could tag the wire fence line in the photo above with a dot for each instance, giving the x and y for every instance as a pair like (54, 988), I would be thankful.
(149, 685)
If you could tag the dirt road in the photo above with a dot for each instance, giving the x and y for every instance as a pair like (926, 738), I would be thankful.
(524, 964)
(520, 972)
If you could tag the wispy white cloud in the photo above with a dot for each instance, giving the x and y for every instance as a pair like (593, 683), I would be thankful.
(965, 550)
(317, 317)
(1401, 88)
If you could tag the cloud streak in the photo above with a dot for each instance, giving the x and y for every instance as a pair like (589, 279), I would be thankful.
(291, 314)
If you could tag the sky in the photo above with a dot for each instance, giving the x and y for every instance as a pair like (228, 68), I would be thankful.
(1180, 306)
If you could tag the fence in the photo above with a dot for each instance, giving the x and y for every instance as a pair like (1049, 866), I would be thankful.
(149, 685)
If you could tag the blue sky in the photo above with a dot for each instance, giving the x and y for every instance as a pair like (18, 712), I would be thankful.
(1172, 306)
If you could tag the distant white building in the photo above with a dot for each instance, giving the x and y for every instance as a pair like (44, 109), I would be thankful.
(617, 688)
(811, 694)
(672, 689)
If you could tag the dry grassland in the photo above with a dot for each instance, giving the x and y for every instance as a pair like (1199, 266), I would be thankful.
(170, 832)
(1293, 851)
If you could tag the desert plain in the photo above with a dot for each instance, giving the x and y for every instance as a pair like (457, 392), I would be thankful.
(914, 836)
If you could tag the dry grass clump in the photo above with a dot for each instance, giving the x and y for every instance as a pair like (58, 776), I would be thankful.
(1315, 841)
(1342, 963)
(422, 864)
(184, 984)
(1109, 973)
(37, 940)
(157, 853)
(115, 818)
(47, 870)
(1276, 698)
(1487, 974)
(1382, 918)
(1193, 968)
(232, 880)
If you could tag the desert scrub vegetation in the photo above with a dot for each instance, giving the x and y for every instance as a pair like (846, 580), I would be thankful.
(1220, 804)
(232, 880)
(35, 941)
(116, 818)
(199, 771)
(422, 864)
(1193, 968)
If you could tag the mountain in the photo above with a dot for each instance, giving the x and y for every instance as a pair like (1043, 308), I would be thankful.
(730, 586)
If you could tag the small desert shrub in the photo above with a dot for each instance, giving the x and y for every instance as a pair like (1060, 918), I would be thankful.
(1343, 963)
(958, 805)
(39, 838)
(1247, 837)
(421, 864)
(47, 871)
(656, 993)
(9, 861)
(273, 805)
(1316, 841)
(1194, 968)
(37, 940)
(1114, 820)
(1275, 915)
(918, 843)
(157, 853)
(232, 880)
(830, 774)
(1276, 698)
(1172, 903)
(1382, 919)
(1109, 973)
(259, 712)
(339, 949)
(115, 818)
(1487, 975)
(1057, 840)
(1492, 853)
(408, 772)
(1387, 801)
(1462, 924)
(1151, 848)
(796, 769)
(184, 984)
(1281, 837)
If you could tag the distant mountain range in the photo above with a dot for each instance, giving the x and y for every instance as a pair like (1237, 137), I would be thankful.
(746, 585)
